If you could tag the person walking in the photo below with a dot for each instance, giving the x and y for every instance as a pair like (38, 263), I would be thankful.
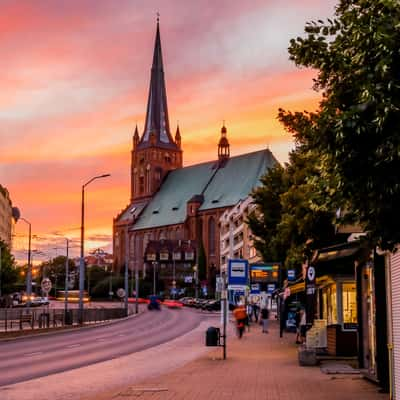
(303, 325)
(297, 318)
(256, 311)
(264, 319)
(240, 316)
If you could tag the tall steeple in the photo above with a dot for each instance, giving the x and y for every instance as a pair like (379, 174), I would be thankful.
(157, 121)
(156, 152)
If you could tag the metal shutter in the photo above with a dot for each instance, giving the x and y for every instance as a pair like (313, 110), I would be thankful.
(395, 275)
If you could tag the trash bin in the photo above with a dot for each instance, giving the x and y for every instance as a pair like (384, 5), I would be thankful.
(68, 318)
(212, 336)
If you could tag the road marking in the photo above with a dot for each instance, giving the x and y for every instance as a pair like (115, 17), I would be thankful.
(33, 354)
(71, 346)
(122, 334)
(100, 339)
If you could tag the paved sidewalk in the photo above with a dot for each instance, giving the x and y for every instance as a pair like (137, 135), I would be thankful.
(260, 366)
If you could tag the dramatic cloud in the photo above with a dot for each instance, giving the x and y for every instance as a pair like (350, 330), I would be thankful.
(74, 83)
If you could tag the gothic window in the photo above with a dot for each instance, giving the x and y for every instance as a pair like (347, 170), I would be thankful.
(211, 236)
(141, 183)
(167, 158)
(158, 174)
(148, 178)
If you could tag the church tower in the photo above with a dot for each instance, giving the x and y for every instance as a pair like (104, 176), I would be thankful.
(223, 147)
(156, 152)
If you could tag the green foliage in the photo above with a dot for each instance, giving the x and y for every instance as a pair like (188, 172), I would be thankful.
(54, 269)
(356, 129)
(290, 219)
(9, 273)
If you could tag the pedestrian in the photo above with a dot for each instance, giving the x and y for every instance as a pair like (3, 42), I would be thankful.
(256, 311)
(264, 319)
(240, 316)
(303, 325)
(249, 312)
(297, 318)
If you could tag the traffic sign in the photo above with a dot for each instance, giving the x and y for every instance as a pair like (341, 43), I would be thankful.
(121, 292)
(46, 285)
(238, 272)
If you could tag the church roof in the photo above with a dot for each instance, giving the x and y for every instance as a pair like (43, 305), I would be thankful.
(221, 187)
(157, 120)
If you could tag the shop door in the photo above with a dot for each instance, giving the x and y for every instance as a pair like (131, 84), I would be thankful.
(395, 279)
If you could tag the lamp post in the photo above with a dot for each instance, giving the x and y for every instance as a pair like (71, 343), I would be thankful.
(66, 278)
(29, 272)
(136, 287)
(82, 260)
(0, 269)
(126, 270)
(154, 277)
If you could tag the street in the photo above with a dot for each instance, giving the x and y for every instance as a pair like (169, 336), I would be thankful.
(33, 357)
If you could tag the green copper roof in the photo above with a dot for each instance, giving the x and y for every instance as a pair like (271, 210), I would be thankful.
(221, 187)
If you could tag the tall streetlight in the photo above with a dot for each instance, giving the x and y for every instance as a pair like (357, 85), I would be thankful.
(82, 261)
(66, 277)
(29, 273)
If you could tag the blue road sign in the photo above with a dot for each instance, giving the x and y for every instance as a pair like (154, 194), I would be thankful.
(238, 272)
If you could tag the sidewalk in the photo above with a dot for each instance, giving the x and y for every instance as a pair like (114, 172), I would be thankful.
(259, 366)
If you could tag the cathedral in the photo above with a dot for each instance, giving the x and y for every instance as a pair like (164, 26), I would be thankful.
(174, 207)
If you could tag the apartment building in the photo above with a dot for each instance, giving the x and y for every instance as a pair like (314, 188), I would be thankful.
(5, 216)
(236, 239)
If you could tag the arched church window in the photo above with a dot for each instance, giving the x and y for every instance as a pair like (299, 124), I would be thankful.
(141, 183)
(211, 236)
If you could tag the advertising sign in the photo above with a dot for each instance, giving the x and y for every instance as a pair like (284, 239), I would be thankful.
(255, 288)
(238, 272)
(271, 287)
(291, 275)
(310, 293)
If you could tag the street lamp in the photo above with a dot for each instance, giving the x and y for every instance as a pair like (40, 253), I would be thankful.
(29, 272)
(66, 278)
(82, 261)
(154, 277)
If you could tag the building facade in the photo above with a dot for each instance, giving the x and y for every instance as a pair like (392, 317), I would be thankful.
(172, 202)
(236, 238)
(5, 216)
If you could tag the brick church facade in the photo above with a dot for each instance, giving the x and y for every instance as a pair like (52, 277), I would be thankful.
(173, 203)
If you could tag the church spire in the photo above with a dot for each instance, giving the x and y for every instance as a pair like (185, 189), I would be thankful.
(157, 121)
(223, 146)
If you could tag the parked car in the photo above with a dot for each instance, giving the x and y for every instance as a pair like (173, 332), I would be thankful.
(40, 301)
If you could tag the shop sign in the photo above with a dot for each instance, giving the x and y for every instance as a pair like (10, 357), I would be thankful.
(189, 255)
(151, 257)
(255, 288)
(270, 287)
(164, 256)
(291, 275)
(176, 255)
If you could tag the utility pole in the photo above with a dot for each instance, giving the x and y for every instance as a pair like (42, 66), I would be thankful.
(126, 269)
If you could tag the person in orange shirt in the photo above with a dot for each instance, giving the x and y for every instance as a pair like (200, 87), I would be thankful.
(240, 316)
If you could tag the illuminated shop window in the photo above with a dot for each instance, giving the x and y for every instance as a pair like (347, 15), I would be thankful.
(349, 303)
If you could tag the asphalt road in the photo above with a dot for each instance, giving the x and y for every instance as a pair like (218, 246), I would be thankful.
(34, 357)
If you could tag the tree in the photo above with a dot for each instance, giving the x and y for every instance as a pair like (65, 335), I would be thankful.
(356, 129)
(55, 270)
(9, 273)
(291, 219)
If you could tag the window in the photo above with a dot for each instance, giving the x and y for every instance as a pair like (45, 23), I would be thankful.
(330, 306)
(349, 303)
(211, 235)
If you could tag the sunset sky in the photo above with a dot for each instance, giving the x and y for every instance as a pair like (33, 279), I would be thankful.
(74, 81)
